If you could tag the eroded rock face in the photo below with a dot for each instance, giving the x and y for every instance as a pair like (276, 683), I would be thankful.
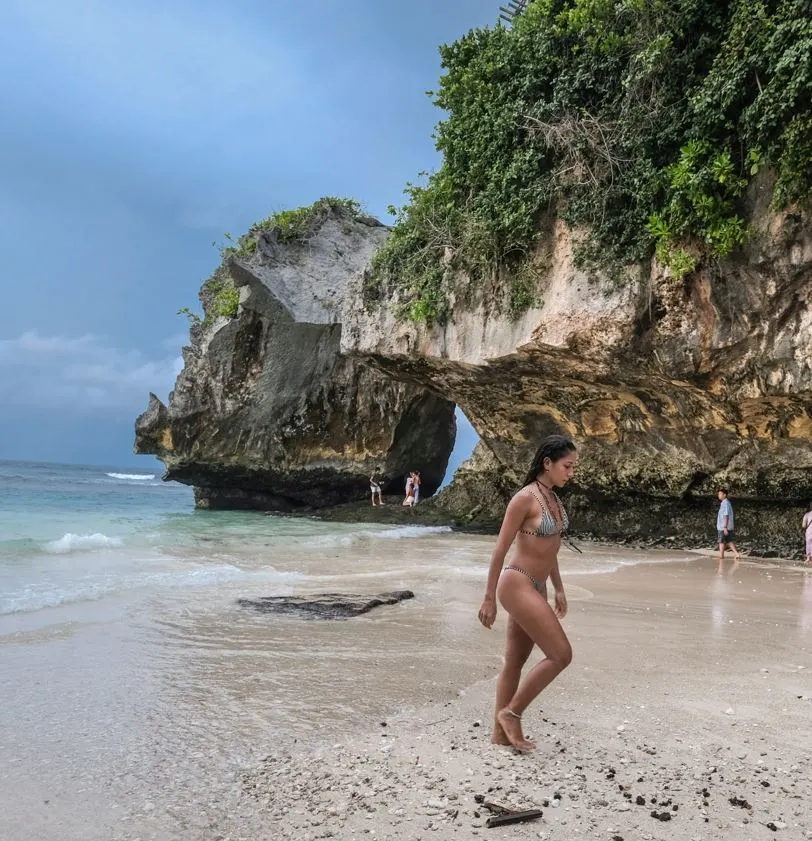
(670, 388)
(267, 413)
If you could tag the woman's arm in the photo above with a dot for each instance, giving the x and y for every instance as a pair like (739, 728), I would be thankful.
(515, 514)
(555, 577)
(560, 598)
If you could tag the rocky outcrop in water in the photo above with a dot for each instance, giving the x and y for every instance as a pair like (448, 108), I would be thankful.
(670, 388)
(324, 605)
(267, 412)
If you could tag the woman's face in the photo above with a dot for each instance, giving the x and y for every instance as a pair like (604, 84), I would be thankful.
(558, 473)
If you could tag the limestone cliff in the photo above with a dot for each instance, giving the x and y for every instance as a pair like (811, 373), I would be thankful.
(267, 413)
(669, 387)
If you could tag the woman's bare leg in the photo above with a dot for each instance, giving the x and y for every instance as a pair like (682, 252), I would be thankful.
(517, 649)
(537, 619)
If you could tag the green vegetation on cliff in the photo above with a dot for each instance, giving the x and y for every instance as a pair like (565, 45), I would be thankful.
(219, 296)
(291, 225)
(639, 121)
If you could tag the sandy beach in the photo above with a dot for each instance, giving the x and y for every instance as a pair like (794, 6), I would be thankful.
(680, 717)
(689, 696)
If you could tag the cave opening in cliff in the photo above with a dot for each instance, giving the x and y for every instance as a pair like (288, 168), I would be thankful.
(464, 444)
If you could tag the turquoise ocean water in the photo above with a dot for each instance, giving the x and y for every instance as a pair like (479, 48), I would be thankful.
(74, 533)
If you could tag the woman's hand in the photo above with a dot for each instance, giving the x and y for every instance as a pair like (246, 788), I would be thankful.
(560, 604)
(487, 611)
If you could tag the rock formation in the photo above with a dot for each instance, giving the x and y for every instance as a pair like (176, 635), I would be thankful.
(670, 388)
(324, 605)
(267, 413)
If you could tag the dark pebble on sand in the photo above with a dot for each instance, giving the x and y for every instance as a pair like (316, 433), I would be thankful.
(479, 798)
(641, 801)
(476, 724)
(772, 826)
(765, 784)
(617, 838)
(740, 802)
(661, 816)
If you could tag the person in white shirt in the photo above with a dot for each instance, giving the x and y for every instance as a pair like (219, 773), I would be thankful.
(725, 525)
(375, 490)
(807, 523)
(408, 502)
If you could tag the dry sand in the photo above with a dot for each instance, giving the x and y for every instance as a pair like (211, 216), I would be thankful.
(685, 715)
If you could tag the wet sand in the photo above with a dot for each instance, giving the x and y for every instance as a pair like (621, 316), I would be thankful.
(191, 720)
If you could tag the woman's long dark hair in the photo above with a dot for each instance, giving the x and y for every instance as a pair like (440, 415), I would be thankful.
(553, 447)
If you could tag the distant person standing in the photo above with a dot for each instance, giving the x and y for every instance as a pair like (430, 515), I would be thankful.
(725, 525)
(408, 502)
(416, 486)
(808, 534)
(375, 490)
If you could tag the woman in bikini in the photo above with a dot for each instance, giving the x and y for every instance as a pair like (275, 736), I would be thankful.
(536, 519)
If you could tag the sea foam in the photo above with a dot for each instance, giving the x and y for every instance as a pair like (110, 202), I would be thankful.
(75, 542)
(132, 476)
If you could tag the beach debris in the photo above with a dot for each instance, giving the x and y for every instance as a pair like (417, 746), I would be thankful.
(502, 815)
(729, 711)
(509, 817)
(324, 605)
(661, 816)
(740, 802)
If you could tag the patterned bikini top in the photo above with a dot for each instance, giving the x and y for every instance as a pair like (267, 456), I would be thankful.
(548, 527)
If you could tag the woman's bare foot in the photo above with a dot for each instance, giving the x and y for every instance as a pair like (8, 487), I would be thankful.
(512, 726)
(498, 736)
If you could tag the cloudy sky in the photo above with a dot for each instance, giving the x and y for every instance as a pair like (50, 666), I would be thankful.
(136, 134)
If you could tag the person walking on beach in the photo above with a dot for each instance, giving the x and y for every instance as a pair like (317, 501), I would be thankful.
(724, 525)
(375, 490)
(536, 520)
(807, 523)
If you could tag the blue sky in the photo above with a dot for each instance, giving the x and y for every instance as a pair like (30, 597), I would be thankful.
(136, 134)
